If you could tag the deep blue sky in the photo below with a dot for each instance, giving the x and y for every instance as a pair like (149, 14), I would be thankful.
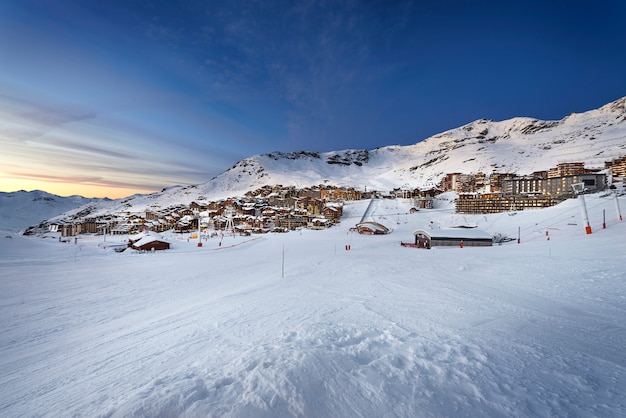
(137, 95)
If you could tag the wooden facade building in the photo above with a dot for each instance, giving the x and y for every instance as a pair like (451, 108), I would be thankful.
(499, 202)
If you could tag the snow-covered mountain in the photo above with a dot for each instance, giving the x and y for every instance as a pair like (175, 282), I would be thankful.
(21, 209)
(519, 145)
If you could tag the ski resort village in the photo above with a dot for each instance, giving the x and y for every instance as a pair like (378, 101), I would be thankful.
(282, 209)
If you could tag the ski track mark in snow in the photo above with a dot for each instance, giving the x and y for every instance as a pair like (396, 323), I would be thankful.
(331, 370)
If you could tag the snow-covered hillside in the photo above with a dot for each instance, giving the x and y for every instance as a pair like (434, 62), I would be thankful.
(19, 210)
(534, 329)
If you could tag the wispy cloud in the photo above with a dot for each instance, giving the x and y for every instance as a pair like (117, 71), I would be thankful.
(47, 140)
(45, 114)
(85, 181)
(23, 119)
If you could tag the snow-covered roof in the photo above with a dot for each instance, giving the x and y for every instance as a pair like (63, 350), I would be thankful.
(374, 226)
(122, 228)
(457, 233)
(144, 234)
(147, 240)
(321, 221)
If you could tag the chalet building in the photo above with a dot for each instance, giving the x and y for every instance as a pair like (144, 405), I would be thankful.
(448, 183)
(567, 169)
(341, 193)
(402, 193)
(199, 206)
(497, 179)
(319, 223)
(315, 206)
(186, 223)
(150, 226)
(254, 222)
(248, 209)
(301, 212)
(311, 193)
(90, 226)
(152, 216)
(70, 229)
(469, 183)
(283, 202)
(185, 212)
(241, 219)
(268, 213)
(458, 182)
(301, 202)
(372, 194)
(282, 211)
(124, 229)
(424, 199)
(292, 221)
(481, 180)
(352, 194)
(453, 237)
(219, 222)
(332, 212)
(162, 226)
(617, 166)
(267, 223)
(423, 202)
(542, 174)
(169, 221)
(149, 242)
(327, 194)
(432, 192)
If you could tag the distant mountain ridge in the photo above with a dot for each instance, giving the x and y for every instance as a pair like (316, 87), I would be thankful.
(21, 209)
(519, 145)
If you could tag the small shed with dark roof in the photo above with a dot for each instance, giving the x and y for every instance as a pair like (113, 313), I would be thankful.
(452, 237)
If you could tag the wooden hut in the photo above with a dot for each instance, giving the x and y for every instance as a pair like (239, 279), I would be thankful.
(150, 242)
